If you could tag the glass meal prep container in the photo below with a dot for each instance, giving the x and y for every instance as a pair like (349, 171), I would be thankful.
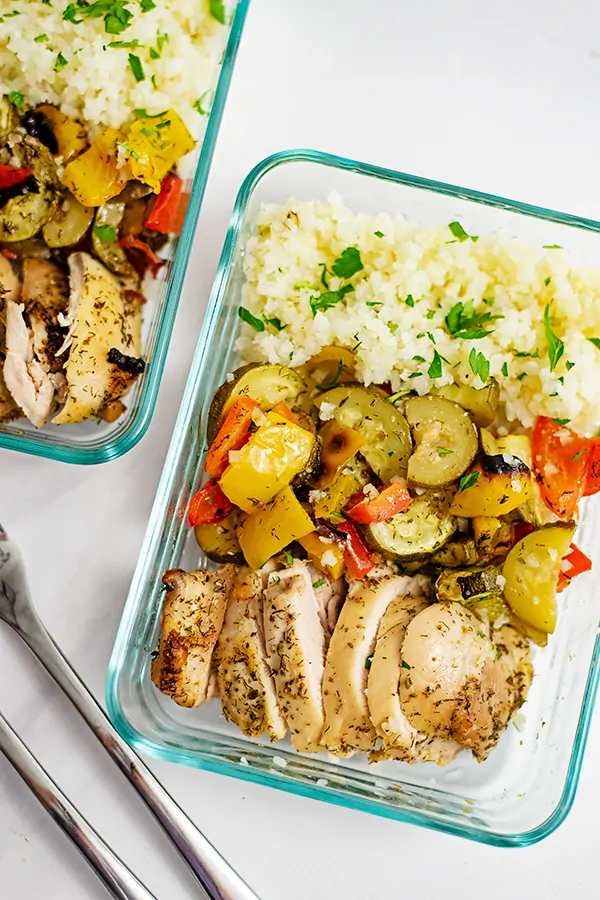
(97, 441)
(526, 788)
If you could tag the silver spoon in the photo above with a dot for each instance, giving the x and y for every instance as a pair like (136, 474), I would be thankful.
(118, 879)
(217, 877)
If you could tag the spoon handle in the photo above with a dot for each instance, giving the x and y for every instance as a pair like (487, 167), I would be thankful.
(217, 877)
(118, 879)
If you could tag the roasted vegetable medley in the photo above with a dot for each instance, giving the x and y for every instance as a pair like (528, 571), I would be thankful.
(82, 218)
(383, 552)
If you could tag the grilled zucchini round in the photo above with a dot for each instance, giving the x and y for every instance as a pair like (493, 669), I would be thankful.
(445, 438)
(417, 531)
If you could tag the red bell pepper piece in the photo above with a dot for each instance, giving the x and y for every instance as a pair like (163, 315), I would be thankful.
(9, 254)
(283, 409)
(153, 263)
(573, 564)
(232, 435)
(520, 529)
(390, 500)
(359, 561)
(11, 175)
(209, 505)
(163, 215)
(560, 465)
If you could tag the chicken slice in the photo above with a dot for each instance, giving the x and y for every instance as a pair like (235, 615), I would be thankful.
(245, 681)
(400, 739)
(10, 289)
(330, 596)
(460, 684)
(296, 648)
(348, 726)
(191, 620)
(26, 378)
(98, 323)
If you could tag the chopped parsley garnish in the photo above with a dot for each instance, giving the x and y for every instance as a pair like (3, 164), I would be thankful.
(409, 300)
(398, 395)
(374, 303)
(379, 234)
(480, 365)
(415, 374)
(135, 64)
(106, 233)
(217, 10)
(41, 39)
(60, 63)
(522, 355)
(430, 314)
(329, 299)
(467, 481)
(147, 5)
(246, 316)
(16, 98)
(319, 583)
(547, 280)
(419, 358)
(70, 14)
(393, 327)
(324, 280)
(289, 558)
(552, 247)
(463, 322)
(562, 422)
(460, 234)
(129, 150)
(569, 365)
(431, 337)
(144, 114)
(595, 342)
(204, 103)
(442, 451)
(275, 322)
(504, 369)
(149, 130)
(435, 369)
(521, 376)
(579, 454)
(348, 264)
(556, 348)
(405, 665)
(124, 44)
(154, 54)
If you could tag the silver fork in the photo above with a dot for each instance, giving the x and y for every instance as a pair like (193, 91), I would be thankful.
(217, 877)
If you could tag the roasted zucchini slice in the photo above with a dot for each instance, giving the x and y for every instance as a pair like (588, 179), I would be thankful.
(329, 368)
(311, 469)
(69, 223)
(23, 216)
(416, 532)
(482, 403)
(459, 552)
(387, 444)
(445, 438)
(220, 542)
(266, 384)
(468, 585)
(105, 236)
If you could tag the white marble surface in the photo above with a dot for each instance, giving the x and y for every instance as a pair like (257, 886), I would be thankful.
(498, 96)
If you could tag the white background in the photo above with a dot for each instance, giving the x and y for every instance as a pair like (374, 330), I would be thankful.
(503, 97)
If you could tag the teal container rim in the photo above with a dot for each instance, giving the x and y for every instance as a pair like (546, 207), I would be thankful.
(194, 759)
(138, 427)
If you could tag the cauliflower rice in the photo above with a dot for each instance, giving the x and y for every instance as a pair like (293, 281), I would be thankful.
(71, 64)
(425, 265)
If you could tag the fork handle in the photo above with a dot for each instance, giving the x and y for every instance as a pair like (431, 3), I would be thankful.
(117, 878)
(217, 877)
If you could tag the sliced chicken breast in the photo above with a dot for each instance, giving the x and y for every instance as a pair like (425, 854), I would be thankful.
(28, 381)
(330, 597)
(191, 621)
(296, 650)
(348, 726)
(399, 739)
(246, 684)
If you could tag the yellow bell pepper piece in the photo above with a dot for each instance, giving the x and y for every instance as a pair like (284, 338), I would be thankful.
(155, 144)
(333, 499)
(275, 453)
(272, 528)
(94, 176)
(491, 494)
(531, 571)
(70, 135)
(339, 444)
(317, 548)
